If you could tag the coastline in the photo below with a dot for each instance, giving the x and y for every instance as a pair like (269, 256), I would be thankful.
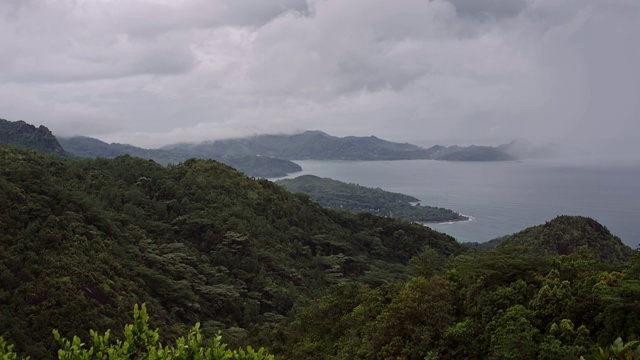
(468, 218)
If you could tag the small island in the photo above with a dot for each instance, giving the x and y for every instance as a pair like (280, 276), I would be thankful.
(355, 198)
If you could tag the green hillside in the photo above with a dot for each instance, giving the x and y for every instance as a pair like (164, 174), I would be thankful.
(252, 165)
(81, 241)
(339, 195)
(512, 302)
(566, 234)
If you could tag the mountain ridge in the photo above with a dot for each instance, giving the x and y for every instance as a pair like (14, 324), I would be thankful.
(251, 165)
(40, 138)
(318, 145)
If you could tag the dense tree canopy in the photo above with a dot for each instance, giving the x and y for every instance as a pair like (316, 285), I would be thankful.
(507, 303)
(355, 198)
(81, 241)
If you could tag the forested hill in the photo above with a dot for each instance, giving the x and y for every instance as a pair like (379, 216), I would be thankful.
(256, 155)
(250, 164)
(81, 241)
(576, 299)
(26, 135)
(317, 145)
(565, 234)
(351, 197)
(41, 139)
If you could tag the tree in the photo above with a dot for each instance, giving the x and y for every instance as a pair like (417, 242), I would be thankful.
(140, 342)
(511, 335)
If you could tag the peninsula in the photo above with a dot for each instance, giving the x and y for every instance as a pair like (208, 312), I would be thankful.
(355, 198)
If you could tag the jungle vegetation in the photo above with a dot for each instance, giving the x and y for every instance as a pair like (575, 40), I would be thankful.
(355, 198)
(84, 240)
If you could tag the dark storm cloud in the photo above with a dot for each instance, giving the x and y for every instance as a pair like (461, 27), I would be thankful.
(490, 8)
(151, 72)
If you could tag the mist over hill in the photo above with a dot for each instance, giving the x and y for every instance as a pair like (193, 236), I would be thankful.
(252, 165)
(317, 145)
(524, 149)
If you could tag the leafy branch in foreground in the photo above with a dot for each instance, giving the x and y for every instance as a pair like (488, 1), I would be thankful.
(140, 342)
(618, 350)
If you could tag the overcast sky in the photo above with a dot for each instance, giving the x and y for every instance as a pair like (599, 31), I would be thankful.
(153, 72)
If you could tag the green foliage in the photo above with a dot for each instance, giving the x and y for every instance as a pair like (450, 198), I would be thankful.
(392, 321)
(511, 335)
(339, 195)
(618, 350)
(566, 234)
(83, 240)
(6, 351)
(140, 342)
(506, 303)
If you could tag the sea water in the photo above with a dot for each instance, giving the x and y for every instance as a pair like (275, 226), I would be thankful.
(504, 197)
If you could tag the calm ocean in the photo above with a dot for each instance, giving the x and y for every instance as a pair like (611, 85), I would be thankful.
(504, 197)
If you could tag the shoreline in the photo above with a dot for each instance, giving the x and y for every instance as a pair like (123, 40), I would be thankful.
(469, 218)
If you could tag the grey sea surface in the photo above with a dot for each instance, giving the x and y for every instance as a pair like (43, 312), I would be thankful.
(504, 197)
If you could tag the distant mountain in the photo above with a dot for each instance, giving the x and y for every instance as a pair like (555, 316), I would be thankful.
(471, 153)
(83, 146)
(564, 234)
(261, 166)
(317, 145)
(26, 135)
(355, 198)
(252, 165)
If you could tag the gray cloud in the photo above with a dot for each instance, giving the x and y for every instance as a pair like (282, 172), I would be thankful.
(487, 9)
(151, 72)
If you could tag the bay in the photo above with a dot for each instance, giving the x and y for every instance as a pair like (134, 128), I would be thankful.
(504, 197)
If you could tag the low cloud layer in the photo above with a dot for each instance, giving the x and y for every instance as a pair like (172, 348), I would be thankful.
(153, 72)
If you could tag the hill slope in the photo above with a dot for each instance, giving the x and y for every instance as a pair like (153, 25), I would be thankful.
(22, 134)
(313, 145)
(252, 165)
(82, 240)
(310, 145)
(339, 195)
(565, 234)
(317, 145)
(511, 302)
